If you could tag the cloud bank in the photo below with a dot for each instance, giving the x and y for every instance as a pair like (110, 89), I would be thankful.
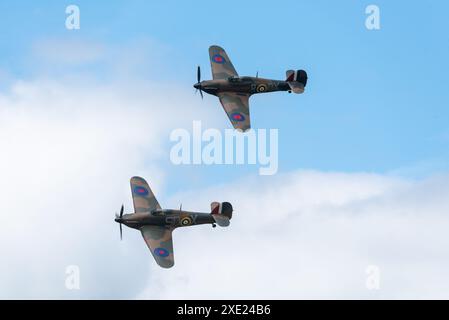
(313, 235)
(68, 149)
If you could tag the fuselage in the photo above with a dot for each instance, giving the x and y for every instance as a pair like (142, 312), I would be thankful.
(166, 217)
(250, 85)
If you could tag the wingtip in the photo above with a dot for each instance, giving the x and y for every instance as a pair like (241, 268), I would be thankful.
(243, 130)
(214, 47)
(137, 178)
(168, 265)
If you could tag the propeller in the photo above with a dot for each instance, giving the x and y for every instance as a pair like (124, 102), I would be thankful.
(120, 216)
(198, 84)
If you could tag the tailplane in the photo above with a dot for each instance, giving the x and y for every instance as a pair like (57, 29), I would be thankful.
(221, 212)
(297, 80)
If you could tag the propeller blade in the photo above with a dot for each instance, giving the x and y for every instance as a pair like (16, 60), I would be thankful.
(121, 211)
(121, 235)
(198, 74)
(201, 93)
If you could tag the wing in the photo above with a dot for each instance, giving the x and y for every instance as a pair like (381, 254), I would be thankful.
(143, 198)
(159, 241)
(236, 106)
(222, 67)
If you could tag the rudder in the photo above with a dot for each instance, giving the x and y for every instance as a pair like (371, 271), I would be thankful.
(296, 76)
(224, 208)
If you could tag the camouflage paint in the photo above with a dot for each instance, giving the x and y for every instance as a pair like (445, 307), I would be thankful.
(157, 224)
(234, 91)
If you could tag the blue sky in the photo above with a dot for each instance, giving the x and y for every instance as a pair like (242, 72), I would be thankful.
(376, 100)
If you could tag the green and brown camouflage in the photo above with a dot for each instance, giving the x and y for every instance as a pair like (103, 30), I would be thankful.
(234, 90)
(157, 224)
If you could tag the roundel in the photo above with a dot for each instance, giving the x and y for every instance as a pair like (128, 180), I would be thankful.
(218, 58)
(140, 190)
(186, 221)
(237, 116)
(161, 252)
(261, 88)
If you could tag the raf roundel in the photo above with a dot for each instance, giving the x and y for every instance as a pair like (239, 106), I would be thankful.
(141, 191)
(261, 88)
(186, 221)
(237, 116)
(218, 58)
(161, 252)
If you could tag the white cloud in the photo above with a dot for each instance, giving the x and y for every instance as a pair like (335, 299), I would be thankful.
(68, 51)
(312, 235)
(130, 61)
(68, 149)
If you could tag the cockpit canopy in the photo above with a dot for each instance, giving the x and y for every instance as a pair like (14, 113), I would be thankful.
(234, 79)
(239, 79)
(159, 212)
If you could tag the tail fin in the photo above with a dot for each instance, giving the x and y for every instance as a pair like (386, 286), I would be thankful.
(221, 212)
(297, 80)
(224, 208)
(290, 75)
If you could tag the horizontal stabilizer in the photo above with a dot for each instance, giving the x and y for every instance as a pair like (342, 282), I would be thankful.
(297, 80)
(296, 87)
(221, 220)
(223, 208)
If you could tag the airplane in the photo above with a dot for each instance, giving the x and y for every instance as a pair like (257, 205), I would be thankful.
(234, 91)
(157, 224)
